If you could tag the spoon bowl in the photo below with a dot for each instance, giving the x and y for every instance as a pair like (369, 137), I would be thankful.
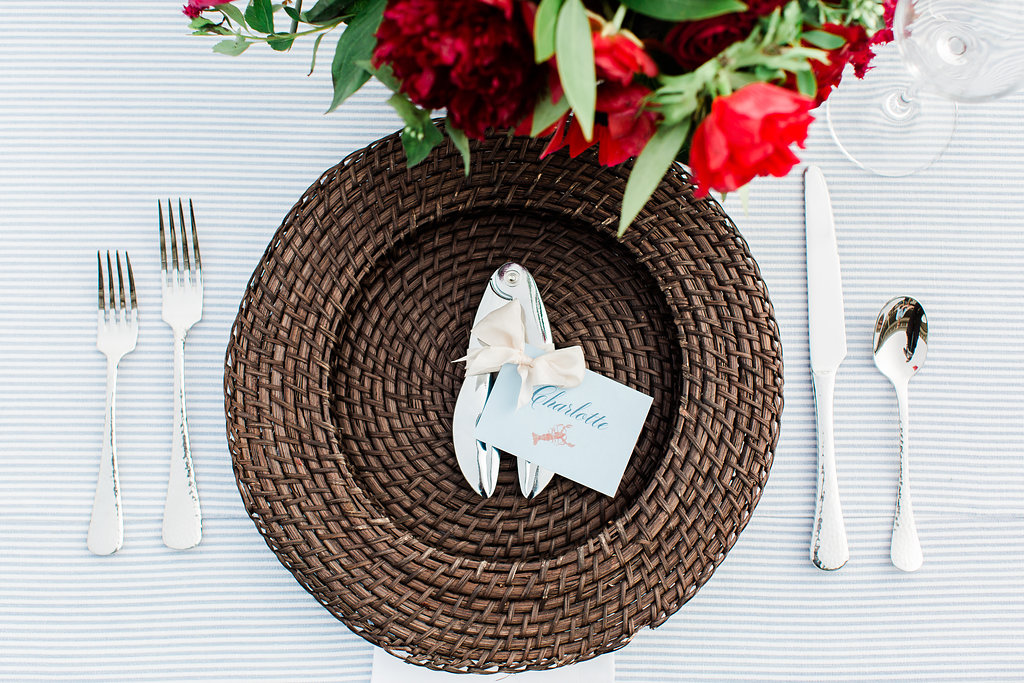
(900, 347)
(901, 339)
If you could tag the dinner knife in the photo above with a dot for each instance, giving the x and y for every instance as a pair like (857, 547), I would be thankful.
(533, 478)
(827, 339)
(478, 461)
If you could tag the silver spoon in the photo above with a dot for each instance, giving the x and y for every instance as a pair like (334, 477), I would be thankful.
(900, 346)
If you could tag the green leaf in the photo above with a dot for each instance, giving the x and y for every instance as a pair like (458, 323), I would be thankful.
(806, 83)
(233, 47)
(355, 44)
(328, 10)
(199, 22)
(232, 13)
(460, 141)
(544, 29)
(316, 46)
(420, 135)
(576, 63)
(546, 113)
(419, 143)
(293, 13)
(683, 10)
(649, 169)
(260, 16)
(384, 74)
(823, 39)
(281, 42)
(410, 113)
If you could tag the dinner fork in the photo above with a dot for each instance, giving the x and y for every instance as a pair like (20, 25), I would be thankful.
(117, 330)
(182, 290)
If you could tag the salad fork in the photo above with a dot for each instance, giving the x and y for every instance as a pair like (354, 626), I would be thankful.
(182, 293)
(117, 330)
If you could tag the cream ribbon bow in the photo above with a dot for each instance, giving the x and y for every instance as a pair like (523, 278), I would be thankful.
(503, 335)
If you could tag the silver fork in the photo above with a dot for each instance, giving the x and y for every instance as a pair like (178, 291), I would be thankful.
(182, 286)
(117, 330)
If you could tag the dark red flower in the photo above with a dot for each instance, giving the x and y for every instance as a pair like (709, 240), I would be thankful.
(619, 56)
(748, 134)
(195, 7)
(621, 130)
(888, 16)
(856, 51)
(473, 57)
(691, 43)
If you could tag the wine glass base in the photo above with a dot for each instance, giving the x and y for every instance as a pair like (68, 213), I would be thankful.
(885, 124)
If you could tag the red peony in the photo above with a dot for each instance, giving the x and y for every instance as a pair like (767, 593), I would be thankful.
(195, 7)
(691, 43)
(748, 134)
(473, 57)
(619, 56)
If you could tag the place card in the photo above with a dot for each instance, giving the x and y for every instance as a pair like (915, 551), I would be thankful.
(586, 433)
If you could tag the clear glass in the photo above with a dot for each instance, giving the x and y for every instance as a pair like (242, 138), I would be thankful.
(900, 118)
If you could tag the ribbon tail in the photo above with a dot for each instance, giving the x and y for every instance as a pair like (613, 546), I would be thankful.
(525, 386)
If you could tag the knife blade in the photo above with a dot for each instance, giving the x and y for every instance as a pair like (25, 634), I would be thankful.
(478, 461)
(533, 478)
(827, 342)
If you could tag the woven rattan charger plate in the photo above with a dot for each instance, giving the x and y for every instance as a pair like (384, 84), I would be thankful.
(340, 388)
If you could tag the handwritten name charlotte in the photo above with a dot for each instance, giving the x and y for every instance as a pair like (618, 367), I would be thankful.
(552, 398)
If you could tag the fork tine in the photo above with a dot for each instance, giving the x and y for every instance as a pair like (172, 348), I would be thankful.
(120, 282)
(131, 282)
(163, 238)
(174, 239)
(99, 277)
(184, 238)
(110, 283)
(195, 237)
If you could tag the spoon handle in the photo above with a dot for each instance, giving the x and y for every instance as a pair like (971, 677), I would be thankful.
(906, 547)
(829, 548)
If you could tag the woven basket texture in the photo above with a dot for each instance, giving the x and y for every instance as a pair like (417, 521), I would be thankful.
(340, 386)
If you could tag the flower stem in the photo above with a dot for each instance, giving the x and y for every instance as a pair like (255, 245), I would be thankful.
(620, 16)
(298, 11)
(294, 34)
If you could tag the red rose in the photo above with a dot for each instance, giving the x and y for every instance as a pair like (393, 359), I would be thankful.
(629, 126)
(856, 51)
(748, 134)
(617, 57)
(691, 43)
(622, 128)
(473, 57)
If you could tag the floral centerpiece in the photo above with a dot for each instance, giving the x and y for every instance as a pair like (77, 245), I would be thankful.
(724, 86)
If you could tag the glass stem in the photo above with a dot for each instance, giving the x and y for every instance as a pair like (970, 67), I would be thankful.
(902, 103)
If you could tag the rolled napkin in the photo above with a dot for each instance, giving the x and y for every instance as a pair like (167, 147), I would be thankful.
(502, 334)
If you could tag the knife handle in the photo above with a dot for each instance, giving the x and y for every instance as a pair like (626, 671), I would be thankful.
(829, 548)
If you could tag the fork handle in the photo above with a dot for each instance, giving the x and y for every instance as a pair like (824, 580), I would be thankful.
(106, 525)
(182, 526)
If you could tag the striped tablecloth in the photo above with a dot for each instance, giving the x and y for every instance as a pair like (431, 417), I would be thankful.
(105, 107)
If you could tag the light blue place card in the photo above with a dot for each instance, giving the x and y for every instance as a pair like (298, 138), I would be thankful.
(586, 433)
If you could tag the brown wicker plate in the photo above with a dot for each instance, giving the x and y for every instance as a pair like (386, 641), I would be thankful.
(340, 388)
